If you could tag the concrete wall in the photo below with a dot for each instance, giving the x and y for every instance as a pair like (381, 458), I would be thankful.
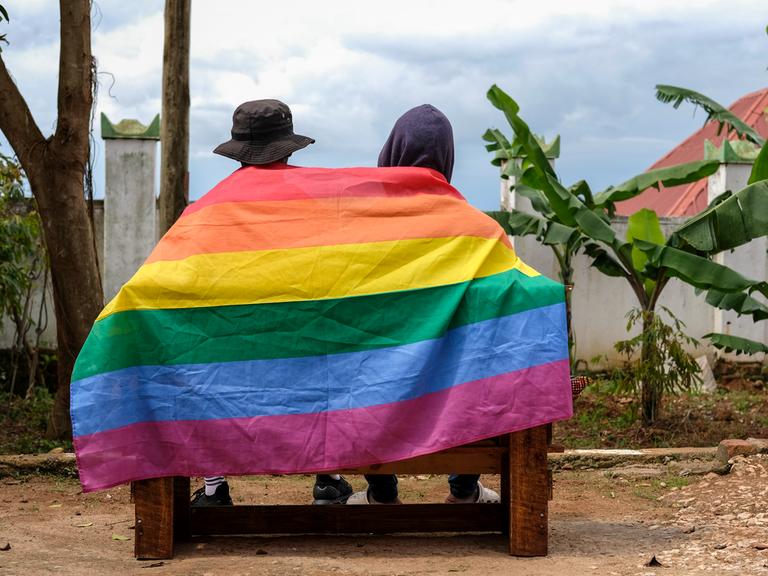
(129, 210)
(48, 337)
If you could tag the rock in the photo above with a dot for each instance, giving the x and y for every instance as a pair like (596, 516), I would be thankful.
(731, 448)
(689, 529)
(760, 444)
(720, 546)
(708, 383)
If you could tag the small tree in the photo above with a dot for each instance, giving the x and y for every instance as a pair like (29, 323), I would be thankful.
(564, 240)
(748, 207)
(22, 265)
(645, 259)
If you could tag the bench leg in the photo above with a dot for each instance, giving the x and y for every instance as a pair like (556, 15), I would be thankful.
(154, 502)
(529, 484)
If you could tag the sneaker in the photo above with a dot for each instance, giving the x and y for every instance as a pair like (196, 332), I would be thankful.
(220, 497)
(482, 495)
(365, 498)
(329, 491)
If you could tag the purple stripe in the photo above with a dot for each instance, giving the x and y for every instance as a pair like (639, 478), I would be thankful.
(326, 441)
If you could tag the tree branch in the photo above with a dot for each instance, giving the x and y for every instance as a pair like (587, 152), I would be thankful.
(16, 121)
(75, 95)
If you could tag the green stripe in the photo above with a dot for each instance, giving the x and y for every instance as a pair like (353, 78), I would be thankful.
(307, 328)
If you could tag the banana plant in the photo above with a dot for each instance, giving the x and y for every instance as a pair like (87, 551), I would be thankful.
(731, 219)
(565, 239)
(644, 258)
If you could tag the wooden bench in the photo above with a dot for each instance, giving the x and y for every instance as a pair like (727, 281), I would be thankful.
(164, 516)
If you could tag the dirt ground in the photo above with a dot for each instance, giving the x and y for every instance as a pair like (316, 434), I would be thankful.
(602, 522)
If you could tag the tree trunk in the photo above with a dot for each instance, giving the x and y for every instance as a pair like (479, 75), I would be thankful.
(56, 168)
(77, 292)
(651, 391)
(174, 118)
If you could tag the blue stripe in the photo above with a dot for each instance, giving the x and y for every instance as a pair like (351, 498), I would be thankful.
(319, 383)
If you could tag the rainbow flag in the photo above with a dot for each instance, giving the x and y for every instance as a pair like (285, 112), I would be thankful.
(307, 320)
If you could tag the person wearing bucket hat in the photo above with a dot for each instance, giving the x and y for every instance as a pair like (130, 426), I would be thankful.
(262, 133)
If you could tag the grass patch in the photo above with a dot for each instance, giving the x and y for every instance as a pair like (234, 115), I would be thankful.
(24, 421)
(604, 418)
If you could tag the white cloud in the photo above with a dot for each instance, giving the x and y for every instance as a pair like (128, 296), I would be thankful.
(348, 69)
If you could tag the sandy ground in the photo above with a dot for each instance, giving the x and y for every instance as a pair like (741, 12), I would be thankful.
(602, 522)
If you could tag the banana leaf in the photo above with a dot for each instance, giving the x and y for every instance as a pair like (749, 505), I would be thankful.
(760, 167)
(669, 176)
(644, 225)
(715, 111)
(604, 262)
(539, 174)
(523, 224)
(736, 344)
(698, 271)
(501, 217)
(740, 302)
(739, 218)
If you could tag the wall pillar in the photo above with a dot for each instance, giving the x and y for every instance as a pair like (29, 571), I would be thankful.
(751, 259)
(130, 149)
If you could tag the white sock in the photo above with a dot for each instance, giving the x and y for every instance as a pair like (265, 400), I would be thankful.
(335, 476)
(211, 483)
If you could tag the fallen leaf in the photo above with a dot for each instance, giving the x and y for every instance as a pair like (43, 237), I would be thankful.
(6, 547)
(154, 565)
(84, 525)
(654, 563)
(119, 537)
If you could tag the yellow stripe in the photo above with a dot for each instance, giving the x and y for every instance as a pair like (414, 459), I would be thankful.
(313, 273)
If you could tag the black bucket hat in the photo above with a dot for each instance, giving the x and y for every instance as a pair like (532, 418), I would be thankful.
(262, 132)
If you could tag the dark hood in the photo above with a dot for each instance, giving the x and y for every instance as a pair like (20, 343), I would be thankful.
(421, 137)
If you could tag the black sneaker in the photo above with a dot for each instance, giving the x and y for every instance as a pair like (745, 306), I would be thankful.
(330, 491)
(220, 497)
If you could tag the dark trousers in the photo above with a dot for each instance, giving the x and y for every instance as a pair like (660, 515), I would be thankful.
(383, 487)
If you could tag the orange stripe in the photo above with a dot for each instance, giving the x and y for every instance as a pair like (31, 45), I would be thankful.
(271, 225)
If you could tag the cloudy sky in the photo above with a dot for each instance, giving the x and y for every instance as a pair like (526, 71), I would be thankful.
(584, 70)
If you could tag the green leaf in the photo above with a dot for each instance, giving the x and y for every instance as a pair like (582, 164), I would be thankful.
(501, 217)
(582, 191)
(714, 110)
(119, 537)
(604, 261)
(557, 233)
(524, 224)
(739, 218)
(698, 271)
(669, 176)
(729, 343)
(740, 302)
(644, 225)
(760, 167)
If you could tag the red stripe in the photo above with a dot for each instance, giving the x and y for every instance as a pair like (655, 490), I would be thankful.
(283, 182)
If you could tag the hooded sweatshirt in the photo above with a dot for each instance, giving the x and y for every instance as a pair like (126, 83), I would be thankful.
(421, 137)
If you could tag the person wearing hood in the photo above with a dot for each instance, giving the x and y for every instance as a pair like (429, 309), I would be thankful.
(422, 137)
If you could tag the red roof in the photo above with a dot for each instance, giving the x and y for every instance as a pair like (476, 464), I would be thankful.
(688, 199)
